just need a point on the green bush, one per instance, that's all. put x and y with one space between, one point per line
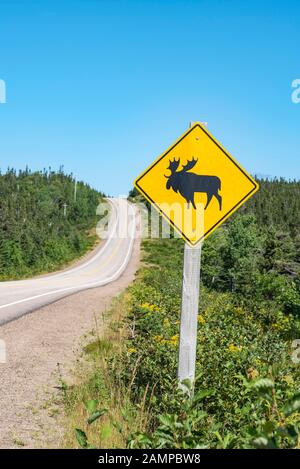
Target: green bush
245 375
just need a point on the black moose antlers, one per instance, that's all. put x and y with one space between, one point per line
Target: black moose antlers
187 184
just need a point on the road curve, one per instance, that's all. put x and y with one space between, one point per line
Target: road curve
22 296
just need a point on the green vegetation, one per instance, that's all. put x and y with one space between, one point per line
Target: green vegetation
247 392
38 232
100 408
277 204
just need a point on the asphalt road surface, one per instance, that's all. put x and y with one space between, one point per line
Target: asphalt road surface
109 262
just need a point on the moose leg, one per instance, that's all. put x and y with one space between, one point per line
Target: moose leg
219 198
209 197
193 203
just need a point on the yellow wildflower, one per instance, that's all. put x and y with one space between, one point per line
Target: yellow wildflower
174 339
150 306
252 373
288 379
132 350
201 319
234 348
158 338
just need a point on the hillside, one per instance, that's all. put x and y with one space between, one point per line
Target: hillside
42 227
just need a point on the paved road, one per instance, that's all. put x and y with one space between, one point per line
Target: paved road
109 262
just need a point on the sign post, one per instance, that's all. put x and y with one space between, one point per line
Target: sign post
189 314
195 185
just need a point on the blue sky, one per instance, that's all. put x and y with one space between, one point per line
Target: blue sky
103 87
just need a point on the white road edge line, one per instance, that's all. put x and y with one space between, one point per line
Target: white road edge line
99 253
88 285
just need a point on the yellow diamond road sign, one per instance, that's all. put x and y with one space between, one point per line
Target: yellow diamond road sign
196 184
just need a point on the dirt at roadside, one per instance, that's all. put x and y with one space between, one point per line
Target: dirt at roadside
30 394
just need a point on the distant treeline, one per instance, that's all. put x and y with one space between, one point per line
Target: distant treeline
276 212
274 227
42 226
276 204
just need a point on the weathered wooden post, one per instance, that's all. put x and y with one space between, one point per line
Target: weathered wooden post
189 314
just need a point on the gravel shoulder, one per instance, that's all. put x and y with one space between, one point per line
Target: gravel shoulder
41 348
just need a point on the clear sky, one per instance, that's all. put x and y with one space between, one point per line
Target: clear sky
103 87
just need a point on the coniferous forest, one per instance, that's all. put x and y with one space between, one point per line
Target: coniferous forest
42 226
260 242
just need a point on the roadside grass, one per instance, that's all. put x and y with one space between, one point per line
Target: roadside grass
100 388
247 387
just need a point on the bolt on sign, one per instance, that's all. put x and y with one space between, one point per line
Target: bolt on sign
196 184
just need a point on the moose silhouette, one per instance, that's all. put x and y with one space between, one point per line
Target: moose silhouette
187 184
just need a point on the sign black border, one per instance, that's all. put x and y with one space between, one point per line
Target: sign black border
255 184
